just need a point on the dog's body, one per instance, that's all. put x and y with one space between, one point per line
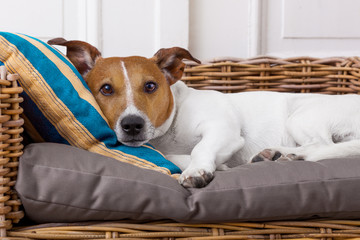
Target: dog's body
211 128
202 131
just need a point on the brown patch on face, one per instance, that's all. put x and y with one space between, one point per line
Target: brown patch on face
157 106
108 71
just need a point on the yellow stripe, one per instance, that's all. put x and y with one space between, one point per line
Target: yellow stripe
63 119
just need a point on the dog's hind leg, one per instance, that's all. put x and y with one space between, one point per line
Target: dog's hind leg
310 152
314 137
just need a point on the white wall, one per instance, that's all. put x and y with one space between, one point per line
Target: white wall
209 28
141 27
219 28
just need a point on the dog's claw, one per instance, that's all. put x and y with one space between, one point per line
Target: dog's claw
276 156
199 180
257 158
291 157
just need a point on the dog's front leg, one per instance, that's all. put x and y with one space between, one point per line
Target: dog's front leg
210 153
182 161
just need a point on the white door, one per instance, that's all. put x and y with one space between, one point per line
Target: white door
311 27
209 28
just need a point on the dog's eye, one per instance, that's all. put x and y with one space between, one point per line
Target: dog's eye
106 90
150 87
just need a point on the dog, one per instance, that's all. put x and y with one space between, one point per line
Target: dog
203 131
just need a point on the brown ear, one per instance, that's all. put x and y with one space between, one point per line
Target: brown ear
81 54
170 62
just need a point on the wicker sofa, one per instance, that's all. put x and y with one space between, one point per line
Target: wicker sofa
301 75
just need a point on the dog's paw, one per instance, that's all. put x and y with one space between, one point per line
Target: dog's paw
266 155
195 178
274 155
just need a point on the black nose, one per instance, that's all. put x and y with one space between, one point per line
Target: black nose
132 124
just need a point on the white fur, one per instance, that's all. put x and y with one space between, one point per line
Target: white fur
211 128
129 92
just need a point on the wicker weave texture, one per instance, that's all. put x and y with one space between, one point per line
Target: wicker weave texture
310 230
301 74
10 149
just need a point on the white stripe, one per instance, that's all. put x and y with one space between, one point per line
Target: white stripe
129 93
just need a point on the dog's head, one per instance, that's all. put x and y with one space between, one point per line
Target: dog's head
133 92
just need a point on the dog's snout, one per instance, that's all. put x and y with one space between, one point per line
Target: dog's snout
132 124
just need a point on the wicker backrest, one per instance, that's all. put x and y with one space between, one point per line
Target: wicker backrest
302 74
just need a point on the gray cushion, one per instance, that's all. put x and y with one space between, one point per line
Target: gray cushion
59 183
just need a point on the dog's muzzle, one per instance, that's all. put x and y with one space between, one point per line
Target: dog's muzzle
132 125
131 131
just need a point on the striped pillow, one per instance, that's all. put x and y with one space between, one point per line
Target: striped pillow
59 107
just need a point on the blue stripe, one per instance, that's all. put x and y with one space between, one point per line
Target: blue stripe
64 91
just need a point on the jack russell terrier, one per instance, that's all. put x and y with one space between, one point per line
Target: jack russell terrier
201 131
